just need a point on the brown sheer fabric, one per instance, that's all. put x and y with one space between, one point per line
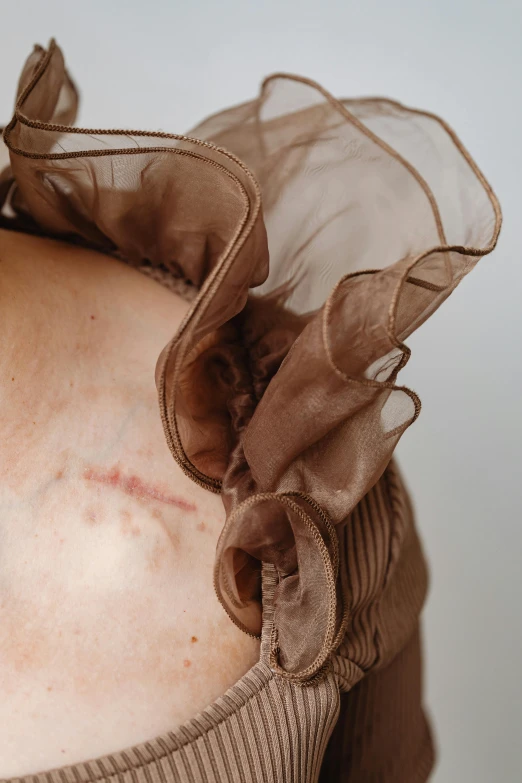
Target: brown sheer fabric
283 399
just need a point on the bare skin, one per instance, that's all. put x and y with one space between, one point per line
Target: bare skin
110 631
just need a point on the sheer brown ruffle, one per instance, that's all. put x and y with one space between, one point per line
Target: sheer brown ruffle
285 400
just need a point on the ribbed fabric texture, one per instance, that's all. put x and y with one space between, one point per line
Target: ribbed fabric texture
382 733
361 721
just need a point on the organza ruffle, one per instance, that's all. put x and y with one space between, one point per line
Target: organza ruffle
279 390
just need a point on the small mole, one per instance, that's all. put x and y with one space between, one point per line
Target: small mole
194 639
186 663
201 527
59 473
12 379
70 386
92 317
49 688
63 751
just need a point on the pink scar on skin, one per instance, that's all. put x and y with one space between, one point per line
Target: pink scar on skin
135 487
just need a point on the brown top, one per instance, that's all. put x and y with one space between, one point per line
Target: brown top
372 214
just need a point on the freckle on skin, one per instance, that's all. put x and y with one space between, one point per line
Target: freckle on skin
186 663
59 473
201 527
194 639
92 317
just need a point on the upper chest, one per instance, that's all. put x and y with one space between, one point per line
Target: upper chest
107 607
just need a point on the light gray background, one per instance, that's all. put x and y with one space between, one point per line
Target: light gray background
165 65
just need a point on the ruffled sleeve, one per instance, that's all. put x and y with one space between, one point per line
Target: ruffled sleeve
280 389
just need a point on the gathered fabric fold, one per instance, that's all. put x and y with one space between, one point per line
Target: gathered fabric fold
319 234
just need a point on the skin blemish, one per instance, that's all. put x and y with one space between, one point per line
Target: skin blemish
173 536
92 317
187 663
201 527
134 486
156 557
127 528
193 639
58 474
91 517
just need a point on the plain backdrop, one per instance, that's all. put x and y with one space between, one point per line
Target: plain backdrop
165 65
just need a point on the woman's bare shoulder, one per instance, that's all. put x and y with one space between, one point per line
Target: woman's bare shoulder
110 630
